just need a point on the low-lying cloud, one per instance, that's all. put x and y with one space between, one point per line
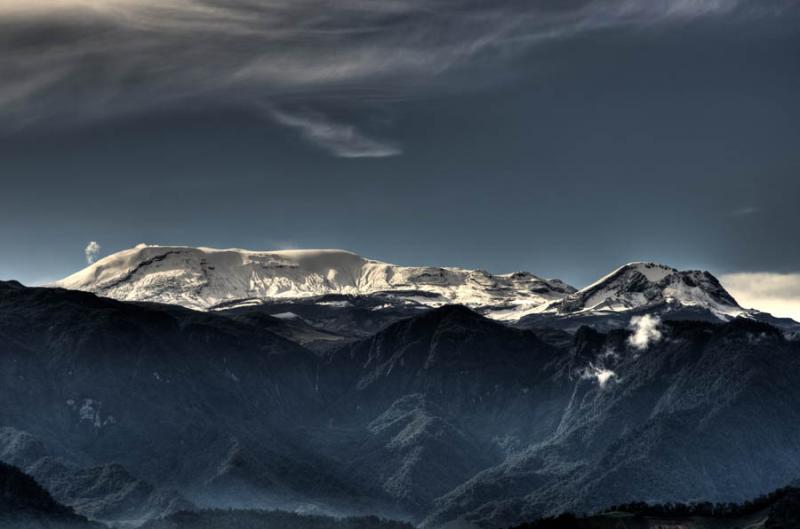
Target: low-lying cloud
645 331
778 294
600 374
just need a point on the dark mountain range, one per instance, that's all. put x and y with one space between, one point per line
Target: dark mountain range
26 505
442 418
105 492
687 419
451 354
194 401
322 323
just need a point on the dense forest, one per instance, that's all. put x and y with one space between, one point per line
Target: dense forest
719 510
258 519
777 510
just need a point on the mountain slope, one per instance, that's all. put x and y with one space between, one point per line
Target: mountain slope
106 492
26 505
704 413
430 401
194 401
413 452
461 360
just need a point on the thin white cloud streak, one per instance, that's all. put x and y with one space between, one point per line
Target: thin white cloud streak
106 57
677 8
645 331
344 141
777 294
745 211
92 252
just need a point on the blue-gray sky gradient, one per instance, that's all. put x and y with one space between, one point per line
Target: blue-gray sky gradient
564 138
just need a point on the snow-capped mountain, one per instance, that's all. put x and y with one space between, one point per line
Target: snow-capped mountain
205 279
211 279
641 285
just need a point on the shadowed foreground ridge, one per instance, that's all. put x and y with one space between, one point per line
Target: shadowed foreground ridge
24 504
777 510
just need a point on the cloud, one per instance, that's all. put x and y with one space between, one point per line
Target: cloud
344 141
91 59
599 373
778 294
745 211
92 251
645 331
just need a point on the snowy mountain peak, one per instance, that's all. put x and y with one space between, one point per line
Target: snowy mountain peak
640 284
652 272
205 278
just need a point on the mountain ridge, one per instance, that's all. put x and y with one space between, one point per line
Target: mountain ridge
209 279
205 278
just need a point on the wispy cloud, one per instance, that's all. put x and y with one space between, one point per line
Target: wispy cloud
745 211
92 251
87 59
345 141
778 294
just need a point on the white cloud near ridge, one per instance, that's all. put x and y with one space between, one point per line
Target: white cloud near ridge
777 294
645 331
598 373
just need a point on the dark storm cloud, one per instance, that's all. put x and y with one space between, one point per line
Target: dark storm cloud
89 59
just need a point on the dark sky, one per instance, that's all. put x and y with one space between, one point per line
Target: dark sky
579 138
